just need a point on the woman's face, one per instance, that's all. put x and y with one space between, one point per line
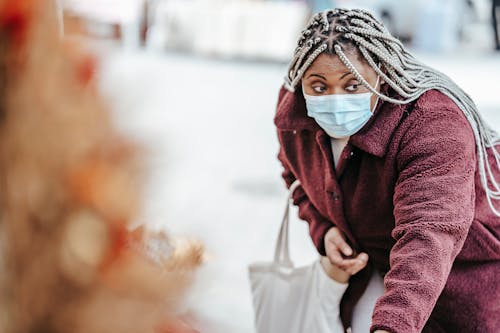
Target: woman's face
328 75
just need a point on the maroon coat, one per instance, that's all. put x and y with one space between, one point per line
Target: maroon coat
406 191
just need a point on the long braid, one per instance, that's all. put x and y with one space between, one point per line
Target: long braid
340 30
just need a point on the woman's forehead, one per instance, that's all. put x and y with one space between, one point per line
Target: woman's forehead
330 64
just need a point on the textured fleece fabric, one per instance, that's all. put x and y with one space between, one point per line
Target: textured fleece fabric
407 192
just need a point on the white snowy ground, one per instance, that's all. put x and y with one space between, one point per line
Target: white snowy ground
208 125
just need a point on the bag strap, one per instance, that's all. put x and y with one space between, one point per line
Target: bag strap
282 252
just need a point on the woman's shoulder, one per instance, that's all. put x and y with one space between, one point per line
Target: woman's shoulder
435 120
434 102
436 110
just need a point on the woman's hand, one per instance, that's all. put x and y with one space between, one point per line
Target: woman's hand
335 247
334 272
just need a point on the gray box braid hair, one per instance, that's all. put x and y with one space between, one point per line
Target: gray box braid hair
337 31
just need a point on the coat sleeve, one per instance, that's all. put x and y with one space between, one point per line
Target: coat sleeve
433 209
318 225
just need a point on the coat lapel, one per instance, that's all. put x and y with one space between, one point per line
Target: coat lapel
375 136
291 113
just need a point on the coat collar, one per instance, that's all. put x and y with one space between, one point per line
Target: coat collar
373 138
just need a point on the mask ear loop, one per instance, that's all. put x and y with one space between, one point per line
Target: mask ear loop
378 98
376 84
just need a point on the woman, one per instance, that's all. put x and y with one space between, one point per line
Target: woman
396 166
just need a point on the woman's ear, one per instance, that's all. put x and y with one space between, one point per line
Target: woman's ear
383 69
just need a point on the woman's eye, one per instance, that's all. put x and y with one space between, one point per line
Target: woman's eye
352 87
319 89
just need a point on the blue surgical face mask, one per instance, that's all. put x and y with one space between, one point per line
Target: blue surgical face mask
340 115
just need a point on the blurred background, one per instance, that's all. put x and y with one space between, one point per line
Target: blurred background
196 82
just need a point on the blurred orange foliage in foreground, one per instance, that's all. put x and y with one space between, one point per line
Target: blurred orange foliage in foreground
69 190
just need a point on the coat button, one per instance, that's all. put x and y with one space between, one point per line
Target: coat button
352 154
348 330
294 132
336 197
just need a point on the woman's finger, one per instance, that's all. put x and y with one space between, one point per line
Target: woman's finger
334 255
347 263
334 236
357 264
333 271
360 258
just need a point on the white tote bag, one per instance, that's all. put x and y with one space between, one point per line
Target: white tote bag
290 299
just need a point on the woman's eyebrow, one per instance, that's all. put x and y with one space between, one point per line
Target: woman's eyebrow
318 75
344 75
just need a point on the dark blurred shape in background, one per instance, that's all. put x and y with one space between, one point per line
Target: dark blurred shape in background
496 21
